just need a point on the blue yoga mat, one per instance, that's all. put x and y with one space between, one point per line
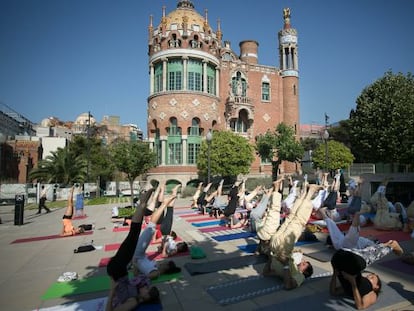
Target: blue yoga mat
208 223
234 236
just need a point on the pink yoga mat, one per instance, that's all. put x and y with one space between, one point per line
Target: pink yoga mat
213 229
48 237
202 218
191 214
79 217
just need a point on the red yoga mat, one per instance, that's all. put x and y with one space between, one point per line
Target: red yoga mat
48 237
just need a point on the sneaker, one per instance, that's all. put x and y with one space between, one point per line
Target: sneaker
72 275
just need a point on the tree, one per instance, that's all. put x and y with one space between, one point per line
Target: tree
382 124
280 145
340 133
339 156
62 166
230 155
96 155
133 159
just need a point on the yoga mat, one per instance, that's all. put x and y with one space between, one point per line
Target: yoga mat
97 304
79 217
393 235
192 215
91 285
48 237
121 229
324 301
200 219
214 229
151 255
398 265
223 264
234 236
323 255
254 286
115 246
208 223
251 248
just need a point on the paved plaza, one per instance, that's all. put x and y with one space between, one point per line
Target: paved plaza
30 269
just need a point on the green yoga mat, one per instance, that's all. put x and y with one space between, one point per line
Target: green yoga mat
91 285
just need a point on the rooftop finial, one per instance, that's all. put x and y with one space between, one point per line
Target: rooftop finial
286 16
185 4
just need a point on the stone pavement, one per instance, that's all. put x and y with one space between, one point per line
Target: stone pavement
29 269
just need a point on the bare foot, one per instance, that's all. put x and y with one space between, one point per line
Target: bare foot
396 248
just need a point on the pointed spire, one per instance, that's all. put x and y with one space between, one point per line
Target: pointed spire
218 33
150 30
206 21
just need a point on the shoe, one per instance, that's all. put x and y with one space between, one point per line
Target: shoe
67 277
48 211
38 213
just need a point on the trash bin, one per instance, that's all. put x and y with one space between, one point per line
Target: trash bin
18 209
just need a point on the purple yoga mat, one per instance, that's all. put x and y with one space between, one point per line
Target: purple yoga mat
399 266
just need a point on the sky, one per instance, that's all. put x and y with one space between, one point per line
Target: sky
62 58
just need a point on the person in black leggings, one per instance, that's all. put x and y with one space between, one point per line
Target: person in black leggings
348 265
125 291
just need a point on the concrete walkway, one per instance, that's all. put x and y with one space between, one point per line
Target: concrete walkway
29 269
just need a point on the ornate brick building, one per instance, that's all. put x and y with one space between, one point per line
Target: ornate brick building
198 83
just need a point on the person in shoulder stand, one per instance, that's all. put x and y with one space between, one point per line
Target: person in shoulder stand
68 228
285 261
126 292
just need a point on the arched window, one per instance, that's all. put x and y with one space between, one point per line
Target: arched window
174 42
174 143
194 130
193 141
240 125
157 146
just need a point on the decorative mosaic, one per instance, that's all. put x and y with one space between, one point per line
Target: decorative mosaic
173 102
184 114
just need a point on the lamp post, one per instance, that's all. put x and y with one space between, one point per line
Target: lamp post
88 126
209 137
326 137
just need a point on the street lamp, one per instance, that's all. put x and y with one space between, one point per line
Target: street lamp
325 137
209 137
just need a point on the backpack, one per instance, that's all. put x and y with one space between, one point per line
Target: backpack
84 248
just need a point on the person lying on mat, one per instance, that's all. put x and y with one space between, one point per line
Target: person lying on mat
284 261
348 265
68 228
141 262
351 239
127 293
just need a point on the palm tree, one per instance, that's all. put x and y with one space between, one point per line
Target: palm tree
62 166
